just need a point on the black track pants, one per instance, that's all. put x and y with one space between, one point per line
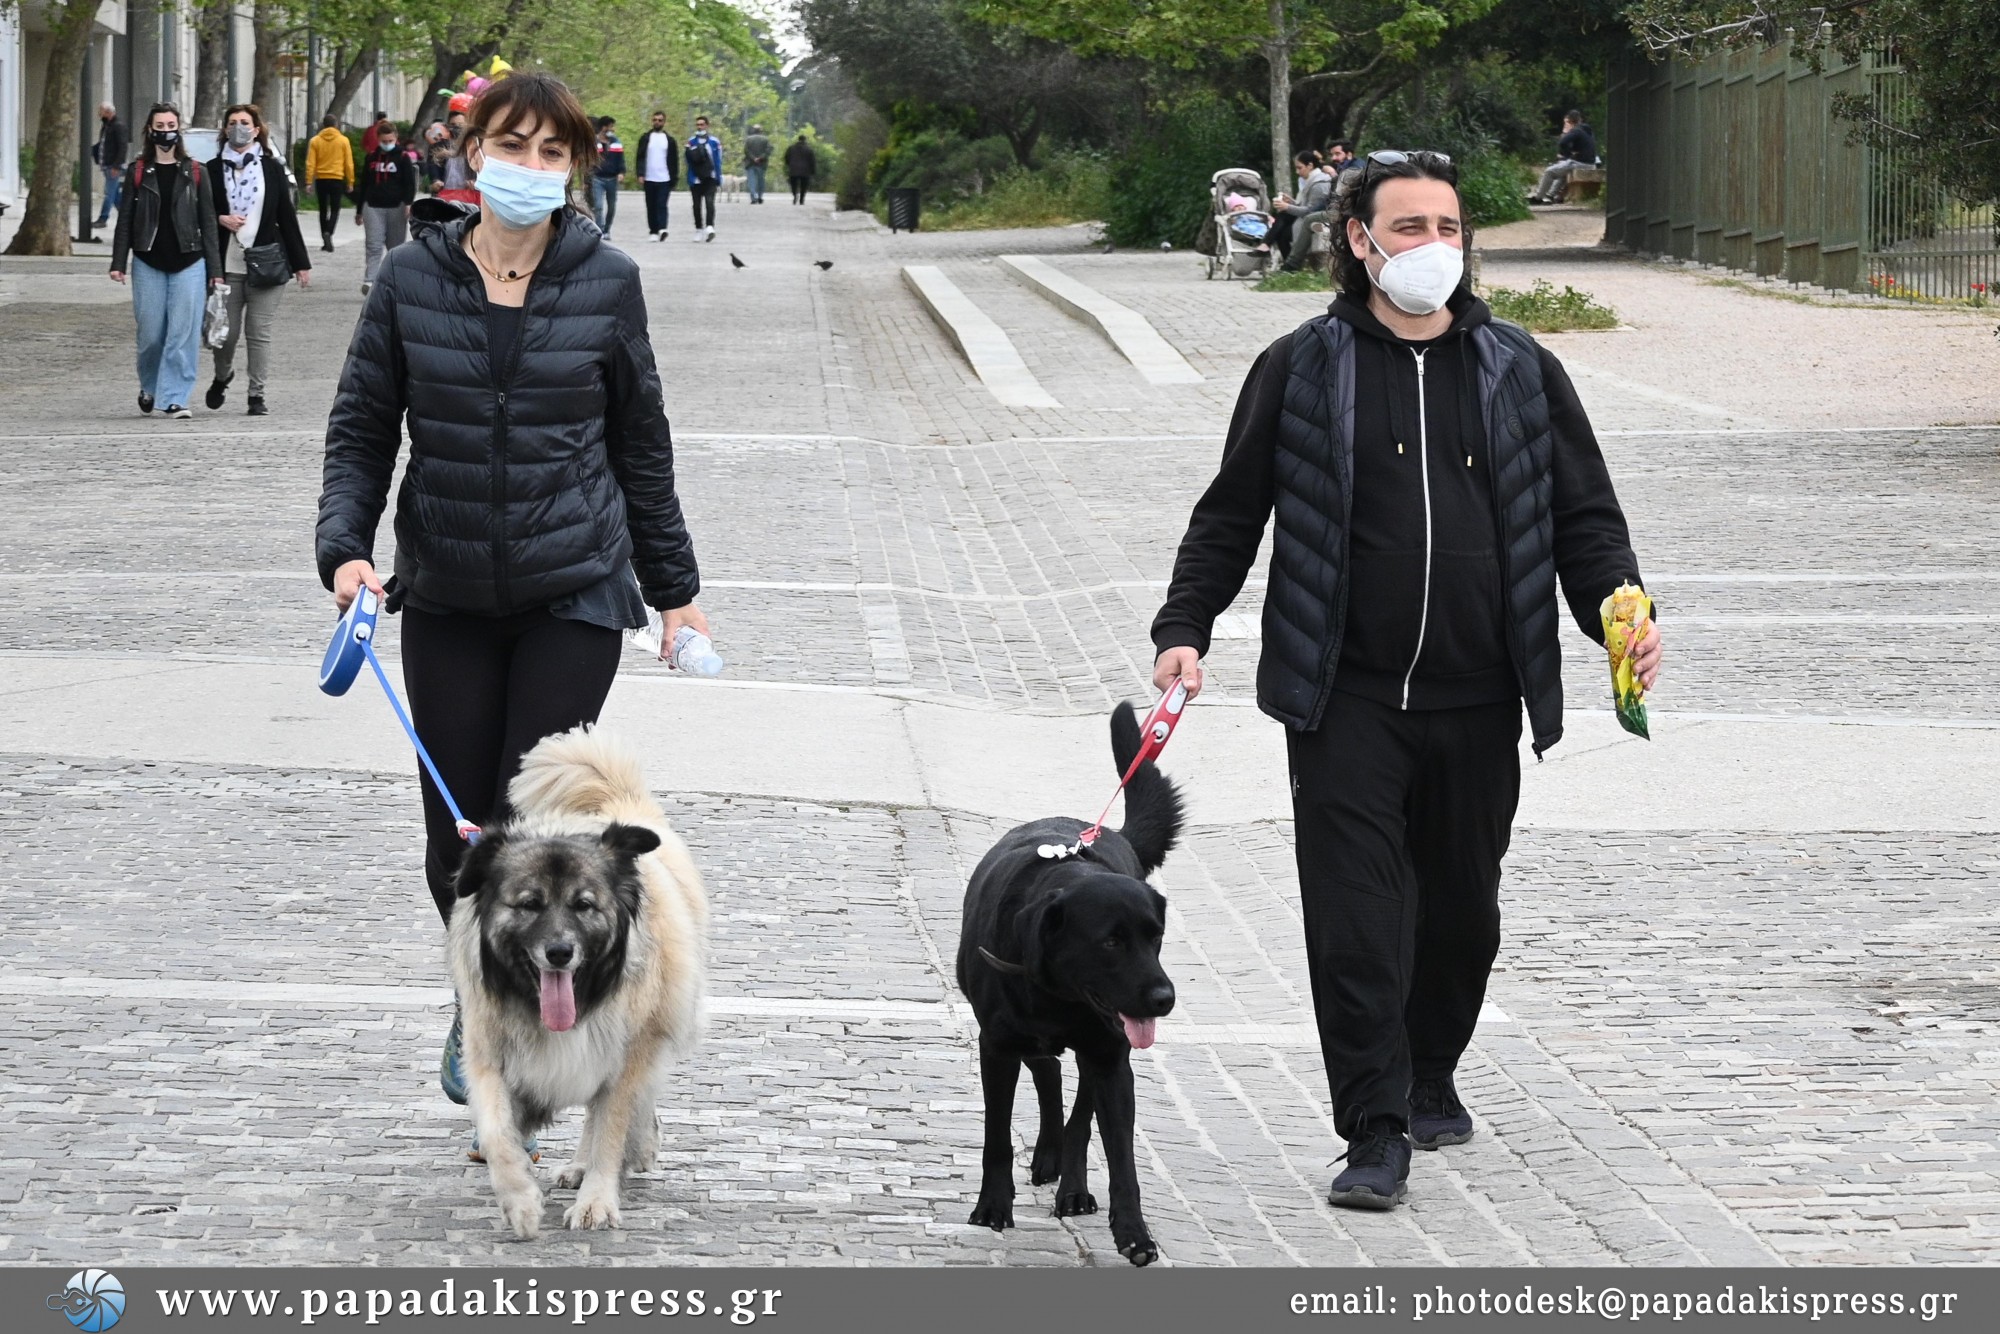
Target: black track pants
701 194
332 196
1403 818
483 690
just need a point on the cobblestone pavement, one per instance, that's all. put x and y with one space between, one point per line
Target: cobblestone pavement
221 993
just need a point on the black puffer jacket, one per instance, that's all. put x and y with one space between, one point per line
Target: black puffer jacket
518 494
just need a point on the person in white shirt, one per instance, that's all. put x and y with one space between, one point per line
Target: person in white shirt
659 168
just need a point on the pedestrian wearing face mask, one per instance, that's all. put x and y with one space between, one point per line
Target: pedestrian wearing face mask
1433 476
166 241
538 519
388 188
262 248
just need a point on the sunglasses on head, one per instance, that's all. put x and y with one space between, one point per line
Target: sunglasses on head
1396 157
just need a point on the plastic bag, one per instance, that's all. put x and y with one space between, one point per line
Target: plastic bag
215 317
1626 614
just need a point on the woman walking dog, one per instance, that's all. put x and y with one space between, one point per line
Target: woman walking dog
166 235
541 473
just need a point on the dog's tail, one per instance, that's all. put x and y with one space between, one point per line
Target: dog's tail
579 772
1152 802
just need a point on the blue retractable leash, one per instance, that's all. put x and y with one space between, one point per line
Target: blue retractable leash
353 643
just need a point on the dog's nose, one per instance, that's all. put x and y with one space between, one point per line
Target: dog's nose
560 955
1160 997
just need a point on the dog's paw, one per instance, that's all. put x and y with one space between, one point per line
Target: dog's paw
593 1210
996 1214
1134 1242
1073 1202
522 1211
571 1176
1047 1163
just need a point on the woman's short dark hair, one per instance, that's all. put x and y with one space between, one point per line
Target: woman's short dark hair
180 144
524 102
1354 197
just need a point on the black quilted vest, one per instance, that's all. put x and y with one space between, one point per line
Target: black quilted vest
1305 608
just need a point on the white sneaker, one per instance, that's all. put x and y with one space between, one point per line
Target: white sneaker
710 236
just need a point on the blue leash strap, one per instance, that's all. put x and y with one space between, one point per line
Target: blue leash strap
466 829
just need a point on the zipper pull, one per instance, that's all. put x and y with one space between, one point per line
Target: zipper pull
1399 446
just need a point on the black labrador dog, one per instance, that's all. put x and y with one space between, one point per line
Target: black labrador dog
1061 949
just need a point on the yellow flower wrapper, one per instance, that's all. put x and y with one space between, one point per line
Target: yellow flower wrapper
1626 614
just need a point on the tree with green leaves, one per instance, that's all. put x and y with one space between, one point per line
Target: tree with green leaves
1301 42
51 193
1949 51
938 54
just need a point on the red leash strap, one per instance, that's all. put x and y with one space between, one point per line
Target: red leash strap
1153 733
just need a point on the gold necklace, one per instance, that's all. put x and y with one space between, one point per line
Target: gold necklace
472 247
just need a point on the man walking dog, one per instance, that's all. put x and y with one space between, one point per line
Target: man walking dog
1433 474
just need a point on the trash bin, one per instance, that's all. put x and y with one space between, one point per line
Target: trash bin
903 209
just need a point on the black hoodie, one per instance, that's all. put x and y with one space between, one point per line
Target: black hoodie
1448 648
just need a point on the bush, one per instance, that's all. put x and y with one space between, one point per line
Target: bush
1542 309
1072 186
1160 189
942 163
856 143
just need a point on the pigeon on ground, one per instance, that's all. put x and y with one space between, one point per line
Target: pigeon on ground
1108 249
1166 245
822 264
736 263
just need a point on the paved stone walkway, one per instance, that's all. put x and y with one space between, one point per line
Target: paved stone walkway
1758 1034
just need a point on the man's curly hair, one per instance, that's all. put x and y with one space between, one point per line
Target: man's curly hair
1354 197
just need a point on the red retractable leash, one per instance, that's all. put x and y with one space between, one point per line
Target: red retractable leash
1154 731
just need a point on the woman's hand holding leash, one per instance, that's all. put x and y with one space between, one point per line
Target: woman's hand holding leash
1178 664
349 579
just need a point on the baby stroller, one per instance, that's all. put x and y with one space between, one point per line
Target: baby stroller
1235 238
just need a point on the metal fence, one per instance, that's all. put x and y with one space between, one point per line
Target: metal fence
1738 160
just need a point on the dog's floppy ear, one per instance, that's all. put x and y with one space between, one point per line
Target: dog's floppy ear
477 867
1038 927
630 840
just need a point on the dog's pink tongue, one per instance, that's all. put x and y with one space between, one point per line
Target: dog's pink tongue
559 1002
1139 1032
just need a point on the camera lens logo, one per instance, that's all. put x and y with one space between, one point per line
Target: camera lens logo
93 1300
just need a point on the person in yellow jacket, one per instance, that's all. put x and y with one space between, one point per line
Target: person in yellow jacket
330 173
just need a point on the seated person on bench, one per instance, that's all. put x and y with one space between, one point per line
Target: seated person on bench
1576 148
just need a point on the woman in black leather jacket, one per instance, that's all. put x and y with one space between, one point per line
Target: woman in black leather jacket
537 518
166 240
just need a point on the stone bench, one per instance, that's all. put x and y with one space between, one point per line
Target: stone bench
1583 183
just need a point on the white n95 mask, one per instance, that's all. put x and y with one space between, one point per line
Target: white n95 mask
1422 278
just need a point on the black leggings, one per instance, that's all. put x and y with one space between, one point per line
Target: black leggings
799 184
332 194
483 690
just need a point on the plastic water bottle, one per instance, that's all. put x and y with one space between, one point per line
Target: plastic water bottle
692 652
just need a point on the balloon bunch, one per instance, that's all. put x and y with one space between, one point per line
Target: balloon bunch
475 84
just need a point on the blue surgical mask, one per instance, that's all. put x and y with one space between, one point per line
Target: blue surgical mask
521 197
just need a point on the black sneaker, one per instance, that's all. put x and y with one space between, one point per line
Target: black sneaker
178 413
145 401
217 391
257 408
1377 1173
1437 1117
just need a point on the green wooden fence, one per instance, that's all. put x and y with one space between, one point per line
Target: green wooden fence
1738 160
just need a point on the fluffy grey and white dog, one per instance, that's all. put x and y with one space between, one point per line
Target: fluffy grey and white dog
578 947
